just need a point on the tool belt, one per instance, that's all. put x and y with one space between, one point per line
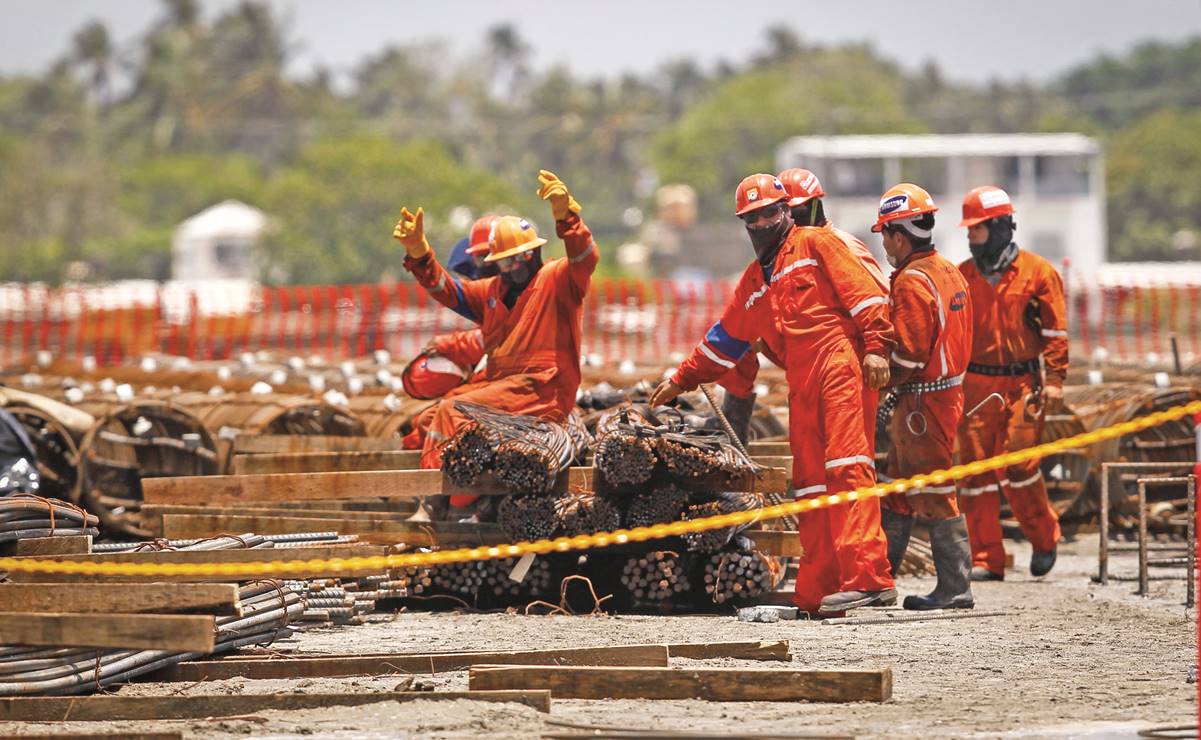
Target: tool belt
1029 367
929 386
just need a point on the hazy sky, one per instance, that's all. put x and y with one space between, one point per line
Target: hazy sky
971 41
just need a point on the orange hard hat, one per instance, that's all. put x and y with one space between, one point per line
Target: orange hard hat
431 375
801 185
758 191
983 203
512 235
477 239
904 201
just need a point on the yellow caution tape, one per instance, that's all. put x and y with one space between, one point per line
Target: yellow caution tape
380 563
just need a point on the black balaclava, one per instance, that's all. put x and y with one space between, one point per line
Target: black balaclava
767 240
998 251
521 275
810 213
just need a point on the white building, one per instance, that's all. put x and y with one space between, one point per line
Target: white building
218 243
1057 182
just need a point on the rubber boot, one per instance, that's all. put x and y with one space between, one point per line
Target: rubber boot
1041 563
738 412
896 528
953 563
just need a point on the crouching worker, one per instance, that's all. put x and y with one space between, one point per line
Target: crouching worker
530 315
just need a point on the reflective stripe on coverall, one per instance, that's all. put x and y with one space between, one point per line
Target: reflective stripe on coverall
819 312
1005 332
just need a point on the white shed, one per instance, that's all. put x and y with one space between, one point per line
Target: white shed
218 242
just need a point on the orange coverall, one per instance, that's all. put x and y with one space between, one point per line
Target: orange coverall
817 310
933 320
1021 318
533 349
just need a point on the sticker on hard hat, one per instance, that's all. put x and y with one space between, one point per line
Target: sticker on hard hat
894 204
525 225
994 198
807 183
777 184
752 194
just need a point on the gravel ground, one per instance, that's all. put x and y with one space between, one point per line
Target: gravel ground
1068 658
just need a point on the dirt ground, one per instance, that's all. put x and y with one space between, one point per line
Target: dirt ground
1067 659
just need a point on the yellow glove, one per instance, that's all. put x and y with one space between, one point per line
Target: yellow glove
410 231
555 191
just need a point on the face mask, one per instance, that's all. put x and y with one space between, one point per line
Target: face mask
768 239
997 252
522 272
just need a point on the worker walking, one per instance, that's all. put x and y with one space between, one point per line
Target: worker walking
1019 316
817 310
531 314
933 321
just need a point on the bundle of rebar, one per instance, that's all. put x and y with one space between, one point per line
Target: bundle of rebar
740 573
24 515
528 517
586 513
655 576
659 506
526 454
711 540
625 447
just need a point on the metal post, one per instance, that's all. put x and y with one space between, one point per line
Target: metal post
1103 546
1176 366
1191 593
1143 589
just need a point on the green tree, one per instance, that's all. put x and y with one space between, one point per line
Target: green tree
1154 186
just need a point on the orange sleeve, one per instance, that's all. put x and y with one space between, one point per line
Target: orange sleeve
582 253
915 318
464 348
465 297
1054 314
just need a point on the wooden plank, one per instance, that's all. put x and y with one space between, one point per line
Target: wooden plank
710 684
147 631
123 735
151 515
774 461
387 664
324 462
117 708
260 555
235 489
768 448
762 650
218 599
252 444
74 544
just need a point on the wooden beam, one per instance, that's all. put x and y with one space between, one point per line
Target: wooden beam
221 490
218 599
324 462
122 735
774 542
237 489
146 631
187 526
769 448
73 544
710 684
763 650
387 664
151 515
261 555
122 708
252 444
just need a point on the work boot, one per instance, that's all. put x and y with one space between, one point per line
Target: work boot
1041 563
738 412
431 508
896 528
980 573
952 562
847 600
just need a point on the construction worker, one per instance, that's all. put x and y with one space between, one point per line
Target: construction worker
531 314
1018 317
933 322
467 256
805 206
816 309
